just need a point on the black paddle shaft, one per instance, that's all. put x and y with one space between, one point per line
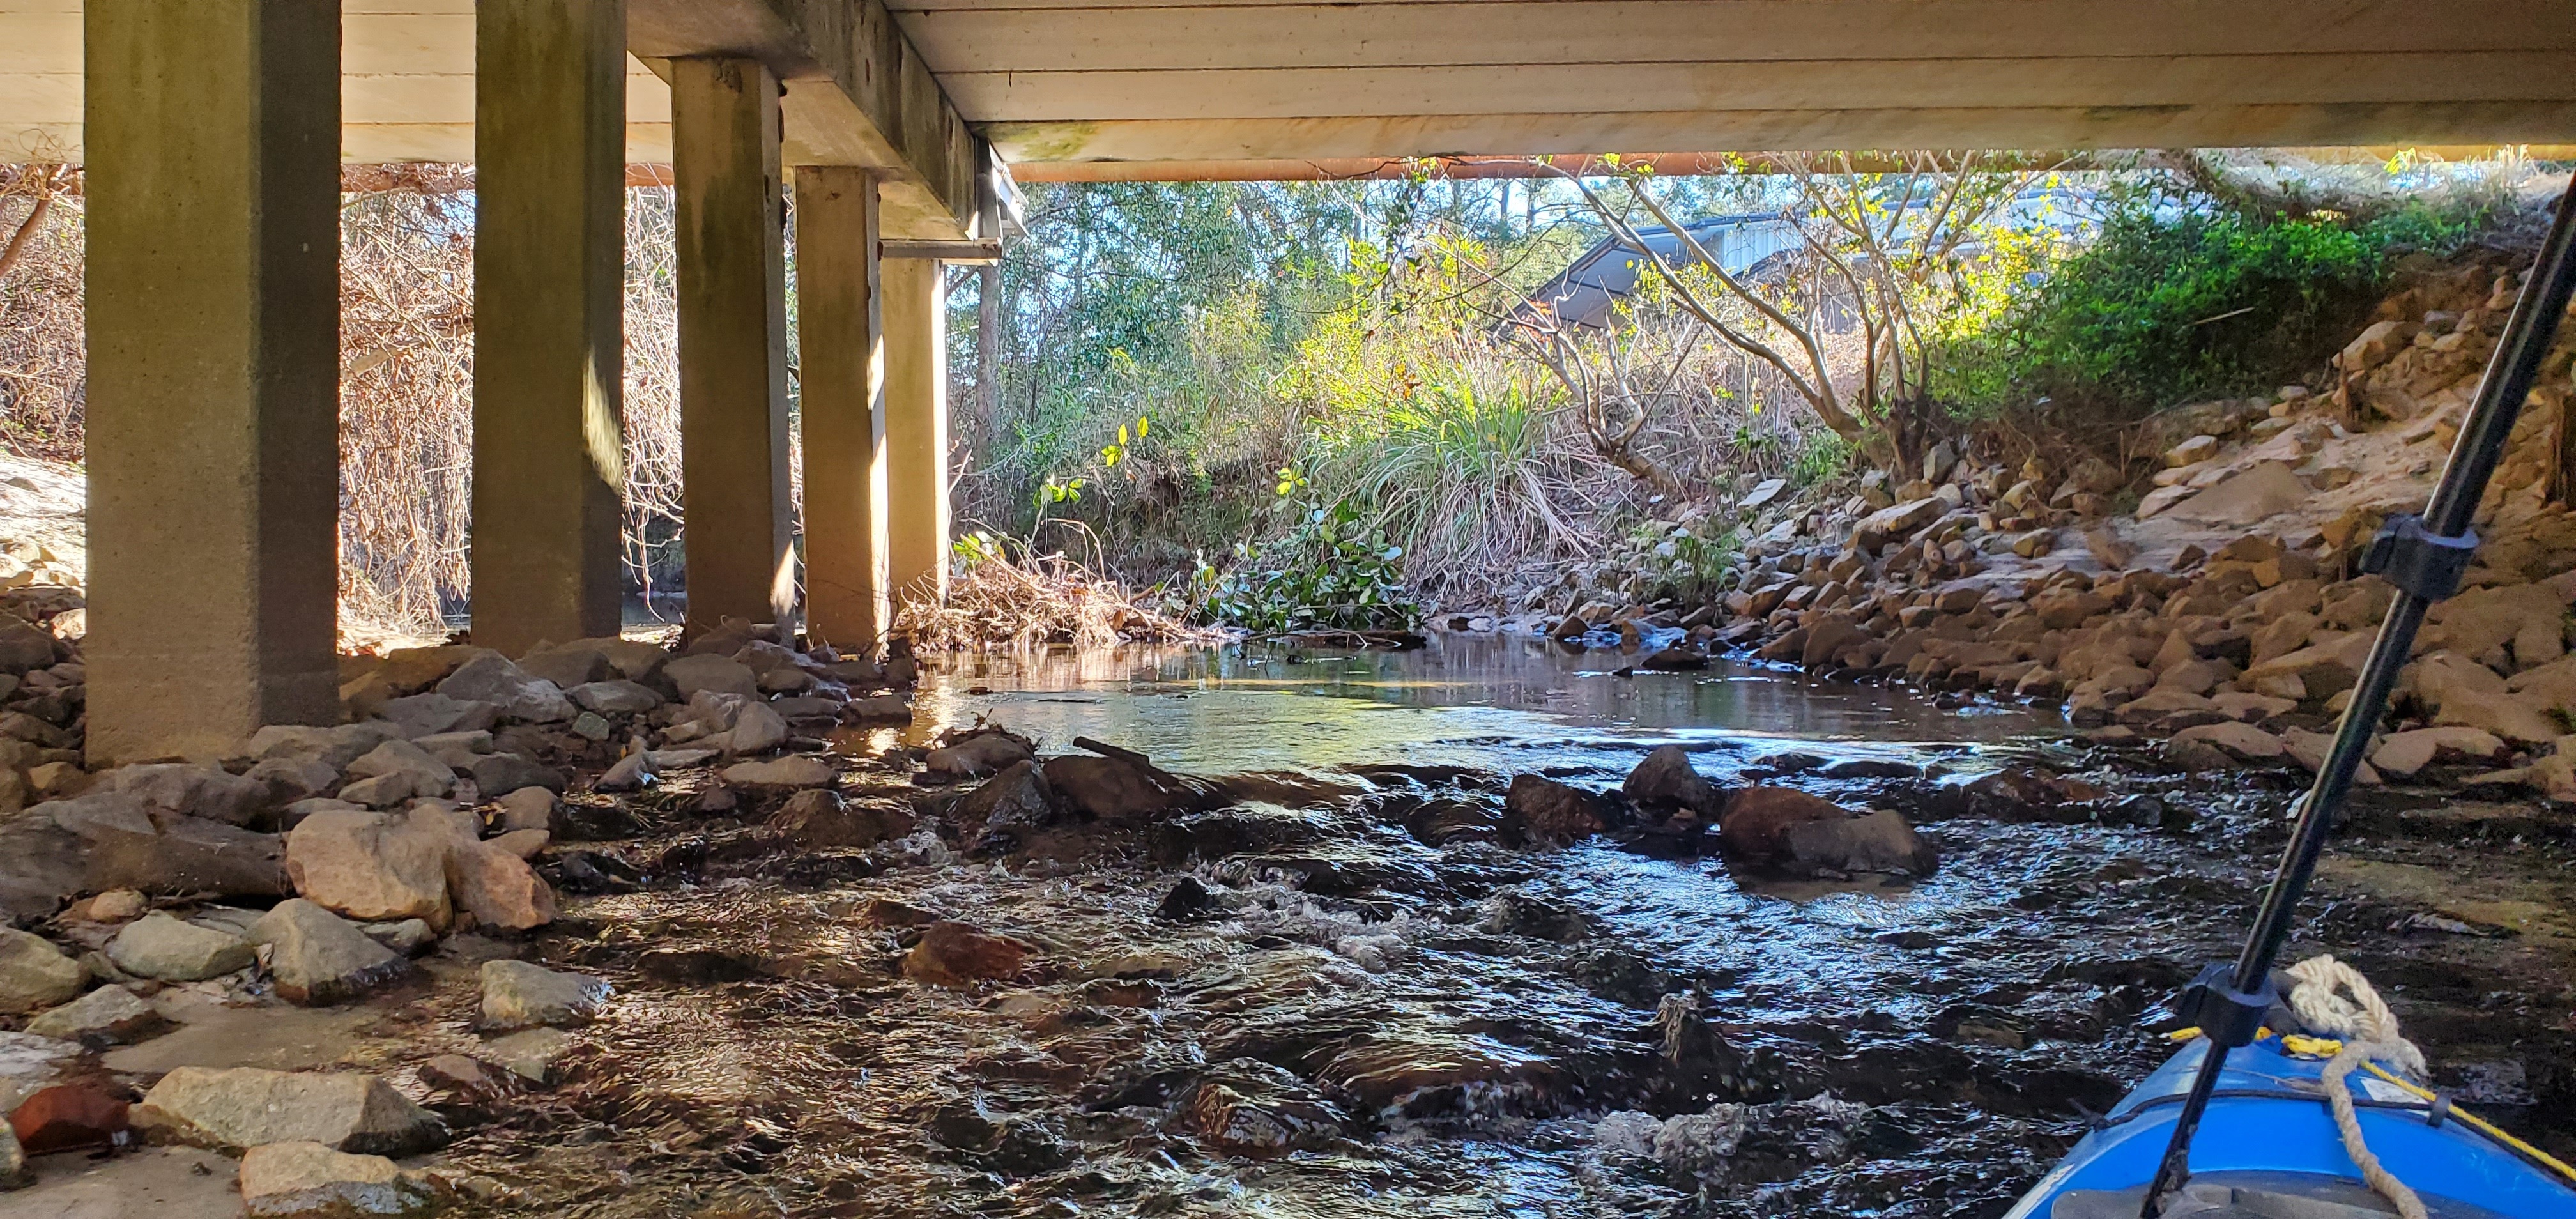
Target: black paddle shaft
2423 557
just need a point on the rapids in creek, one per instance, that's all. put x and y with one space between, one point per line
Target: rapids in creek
1358 1003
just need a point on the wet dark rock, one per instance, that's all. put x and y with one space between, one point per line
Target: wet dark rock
1118 791
1425 1073
2029 795
887 912
1447 820
1246 1107
1665 784
1675 660
40 864
1870 768
1517 911
697 966
1623 977
591 873
1232 831
1696 1059
1551 810
1187 901
1755 826
1879 841
715 801
508 772
1016 798
583 821
979 752
818 818
960 955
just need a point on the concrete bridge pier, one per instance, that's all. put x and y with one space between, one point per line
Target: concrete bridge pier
916 338
213 151
841 405
549 335
733 342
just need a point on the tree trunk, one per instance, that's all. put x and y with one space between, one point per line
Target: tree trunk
988 348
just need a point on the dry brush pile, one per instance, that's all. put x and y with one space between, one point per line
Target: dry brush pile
406 385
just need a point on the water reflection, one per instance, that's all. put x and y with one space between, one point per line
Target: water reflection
1487 701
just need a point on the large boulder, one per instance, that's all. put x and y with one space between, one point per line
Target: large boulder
430 776
2478 623
718 674
982 754
1018 798
238 1108
1665 782
371 866
1117 790
41 864
498 888
568 665
508 772
491 678
35 975
519 995
306 1180
161 947
185 790
616 697
2266 490
317 957
129 847
430 714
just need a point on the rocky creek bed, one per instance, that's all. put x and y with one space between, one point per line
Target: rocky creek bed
1318 957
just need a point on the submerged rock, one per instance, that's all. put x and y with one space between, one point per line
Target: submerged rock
519 995
959 955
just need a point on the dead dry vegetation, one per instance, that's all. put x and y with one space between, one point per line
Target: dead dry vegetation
407 363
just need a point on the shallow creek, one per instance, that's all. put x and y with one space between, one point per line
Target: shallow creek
1364 1023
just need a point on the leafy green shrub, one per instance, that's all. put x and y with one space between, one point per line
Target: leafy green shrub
2169 304
1333 572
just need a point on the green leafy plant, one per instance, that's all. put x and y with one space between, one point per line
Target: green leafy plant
978 548
1333 572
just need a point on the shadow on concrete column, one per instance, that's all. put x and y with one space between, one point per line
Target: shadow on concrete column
549 338
841 406
213 149
916 347
733 343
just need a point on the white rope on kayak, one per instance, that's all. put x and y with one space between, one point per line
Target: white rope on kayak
2369 1032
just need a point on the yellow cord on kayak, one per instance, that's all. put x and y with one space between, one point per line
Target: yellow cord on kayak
2328 1047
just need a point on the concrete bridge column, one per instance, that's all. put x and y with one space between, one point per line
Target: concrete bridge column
549 339
733 342
916 344
213 148
841 405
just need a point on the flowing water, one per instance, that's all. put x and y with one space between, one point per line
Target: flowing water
1379 1011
